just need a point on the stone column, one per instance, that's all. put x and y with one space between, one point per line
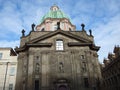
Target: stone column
45 71
19 80
30 72
90 72
74 76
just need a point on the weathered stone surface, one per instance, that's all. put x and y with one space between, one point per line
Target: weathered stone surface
57 57
74 63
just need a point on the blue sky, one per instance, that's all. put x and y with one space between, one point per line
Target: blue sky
102 16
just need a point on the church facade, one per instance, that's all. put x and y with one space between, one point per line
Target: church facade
54 56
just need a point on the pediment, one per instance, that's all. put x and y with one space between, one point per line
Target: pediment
37 42
63 33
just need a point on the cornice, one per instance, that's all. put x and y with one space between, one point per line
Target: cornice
27 45
78 44
91 45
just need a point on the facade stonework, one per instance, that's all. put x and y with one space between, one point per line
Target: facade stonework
111 71
57 60
8 68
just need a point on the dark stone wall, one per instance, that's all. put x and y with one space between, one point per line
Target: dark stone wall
74 68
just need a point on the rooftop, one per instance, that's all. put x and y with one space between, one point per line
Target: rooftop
54 12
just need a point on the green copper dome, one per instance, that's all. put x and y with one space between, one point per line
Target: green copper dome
54 13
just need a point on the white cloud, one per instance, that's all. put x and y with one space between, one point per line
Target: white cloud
84 7
10 21
102 16
16 17
107 35
12 44
111 6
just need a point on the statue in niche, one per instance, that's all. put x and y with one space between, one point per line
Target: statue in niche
61 67
24 69
37 67
84 68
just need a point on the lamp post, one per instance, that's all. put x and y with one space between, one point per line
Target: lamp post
5 75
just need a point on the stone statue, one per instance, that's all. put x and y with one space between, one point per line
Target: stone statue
83 26
33 26
23 33
37 67
90 32
61 67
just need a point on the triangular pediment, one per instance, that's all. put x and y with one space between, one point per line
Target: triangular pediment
37 42
64 33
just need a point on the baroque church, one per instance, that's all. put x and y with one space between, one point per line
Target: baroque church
56 56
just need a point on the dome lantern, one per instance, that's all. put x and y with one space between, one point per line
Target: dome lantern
54 8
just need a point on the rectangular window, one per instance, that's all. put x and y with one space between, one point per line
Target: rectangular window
59 45
10 86
12 71
36 84
1 55
86 83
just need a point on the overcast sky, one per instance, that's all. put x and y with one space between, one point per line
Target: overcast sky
102 16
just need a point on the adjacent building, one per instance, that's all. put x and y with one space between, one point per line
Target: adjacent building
56 56
111 71
8 67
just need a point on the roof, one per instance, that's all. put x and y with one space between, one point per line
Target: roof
5 48
54 12
12 52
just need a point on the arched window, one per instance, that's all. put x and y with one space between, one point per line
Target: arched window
70 29
59 45
82 57
55 27
43 29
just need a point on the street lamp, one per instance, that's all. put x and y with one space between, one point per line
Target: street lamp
5 75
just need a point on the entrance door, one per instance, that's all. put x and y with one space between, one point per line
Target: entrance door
36 84
62 87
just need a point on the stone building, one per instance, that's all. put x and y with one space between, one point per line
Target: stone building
8 67
54 56
111 71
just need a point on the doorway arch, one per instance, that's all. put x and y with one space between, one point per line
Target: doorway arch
62 84
62 87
